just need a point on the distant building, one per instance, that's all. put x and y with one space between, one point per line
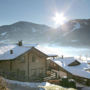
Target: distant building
72 68
22 62
88 62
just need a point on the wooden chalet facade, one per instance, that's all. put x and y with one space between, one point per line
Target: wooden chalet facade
28 66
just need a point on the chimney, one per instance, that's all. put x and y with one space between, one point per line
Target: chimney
20 43
62 56
11 51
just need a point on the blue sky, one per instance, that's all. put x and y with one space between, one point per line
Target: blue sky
41 11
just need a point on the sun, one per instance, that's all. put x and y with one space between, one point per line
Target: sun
59 19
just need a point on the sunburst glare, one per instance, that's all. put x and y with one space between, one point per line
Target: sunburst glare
59 19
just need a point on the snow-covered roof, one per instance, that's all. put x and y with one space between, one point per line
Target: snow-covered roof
79 70
66 60
17 51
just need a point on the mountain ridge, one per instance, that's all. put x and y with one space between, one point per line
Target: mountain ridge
73 33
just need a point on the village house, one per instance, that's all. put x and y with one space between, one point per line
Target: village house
72 68
22 62
27 63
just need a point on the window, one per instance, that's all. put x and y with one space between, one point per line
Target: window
22 59
33 58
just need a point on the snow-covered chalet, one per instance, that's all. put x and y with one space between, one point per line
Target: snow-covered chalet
22 62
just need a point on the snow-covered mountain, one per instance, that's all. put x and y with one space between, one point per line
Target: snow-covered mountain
75 33
72 33
26 31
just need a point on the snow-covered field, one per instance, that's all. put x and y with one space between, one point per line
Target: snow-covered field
17 85
29 84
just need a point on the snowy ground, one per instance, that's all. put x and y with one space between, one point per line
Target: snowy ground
17 85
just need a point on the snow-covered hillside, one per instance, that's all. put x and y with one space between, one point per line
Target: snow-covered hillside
72 33
75 33
25 31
